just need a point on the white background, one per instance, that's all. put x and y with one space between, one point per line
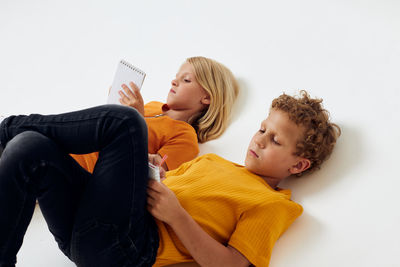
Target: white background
58 56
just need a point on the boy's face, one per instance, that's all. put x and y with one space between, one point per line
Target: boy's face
271 150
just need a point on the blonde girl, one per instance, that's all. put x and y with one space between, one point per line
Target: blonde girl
198 108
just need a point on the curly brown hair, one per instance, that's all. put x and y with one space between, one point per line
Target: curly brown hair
319 135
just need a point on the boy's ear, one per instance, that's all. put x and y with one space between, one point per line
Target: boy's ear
206 100
301 165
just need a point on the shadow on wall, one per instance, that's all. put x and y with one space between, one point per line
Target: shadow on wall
241 101
306 230
347 153
224 145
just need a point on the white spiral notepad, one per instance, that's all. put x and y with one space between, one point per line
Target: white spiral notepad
125 74
154 172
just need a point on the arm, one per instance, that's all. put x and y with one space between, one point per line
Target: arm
206 251
180 147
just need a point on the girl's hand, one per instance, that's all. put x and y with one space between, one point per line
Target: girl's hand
162 202
156 159
132 97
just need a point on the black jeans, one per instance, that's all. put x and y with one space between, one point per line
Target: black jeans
97 219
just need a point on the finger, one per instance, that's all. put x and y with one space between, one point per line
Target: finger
134 87
151 192
156 186
128 92
122 103
152 158
157 159
162 172
152 185
135 90
150 200
151 210
123 100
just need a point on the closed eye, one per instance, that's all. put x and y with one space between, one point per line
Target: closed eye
275 141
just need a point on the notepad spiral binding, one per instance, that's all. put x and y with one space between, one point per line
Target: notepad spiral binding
132 67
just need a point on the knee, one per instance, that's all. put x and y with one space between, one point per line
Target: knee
23 155
25 144
130 116
125 112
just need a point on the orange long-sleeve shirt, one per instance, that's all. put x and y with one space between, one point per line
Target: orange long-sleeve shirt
177 139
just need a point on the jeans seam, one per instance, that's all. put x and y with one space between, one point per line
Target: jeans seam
132 154
14 229
124 252
102 114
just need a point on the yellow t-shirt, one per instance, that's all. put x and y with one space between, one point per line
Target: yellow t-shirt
177 139
233 205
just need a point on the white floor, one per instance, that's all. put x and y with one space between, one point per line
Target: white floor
58 56
39 248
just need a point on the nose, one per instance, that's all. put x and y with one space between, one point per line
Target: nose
174 82
259 141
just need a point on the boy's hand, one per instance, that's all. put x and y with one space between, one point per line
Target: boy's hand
162 202
132 97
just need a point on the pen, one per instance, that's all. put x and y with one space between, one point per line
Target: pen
163 159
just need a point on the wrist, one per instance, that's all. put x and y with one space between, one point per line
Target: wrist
180 218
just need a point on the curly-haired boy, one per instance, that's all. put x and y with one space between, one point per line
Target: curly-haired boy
221 214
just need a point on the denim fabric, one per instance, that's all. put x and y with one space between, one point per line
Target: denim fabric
97 219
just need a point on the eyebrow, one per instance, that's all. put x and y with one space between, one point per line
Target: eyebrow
185 73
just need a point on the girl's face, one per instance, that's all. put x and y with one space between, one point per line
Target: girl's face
186 93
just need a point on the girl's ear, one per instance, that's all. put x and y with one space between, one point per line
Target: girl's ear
205 100
301 165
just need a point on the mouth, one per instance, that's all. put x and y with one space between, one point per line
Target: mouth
254 154
172 91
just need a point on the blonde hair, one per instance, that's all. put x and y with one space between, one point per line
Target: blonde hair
223 89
